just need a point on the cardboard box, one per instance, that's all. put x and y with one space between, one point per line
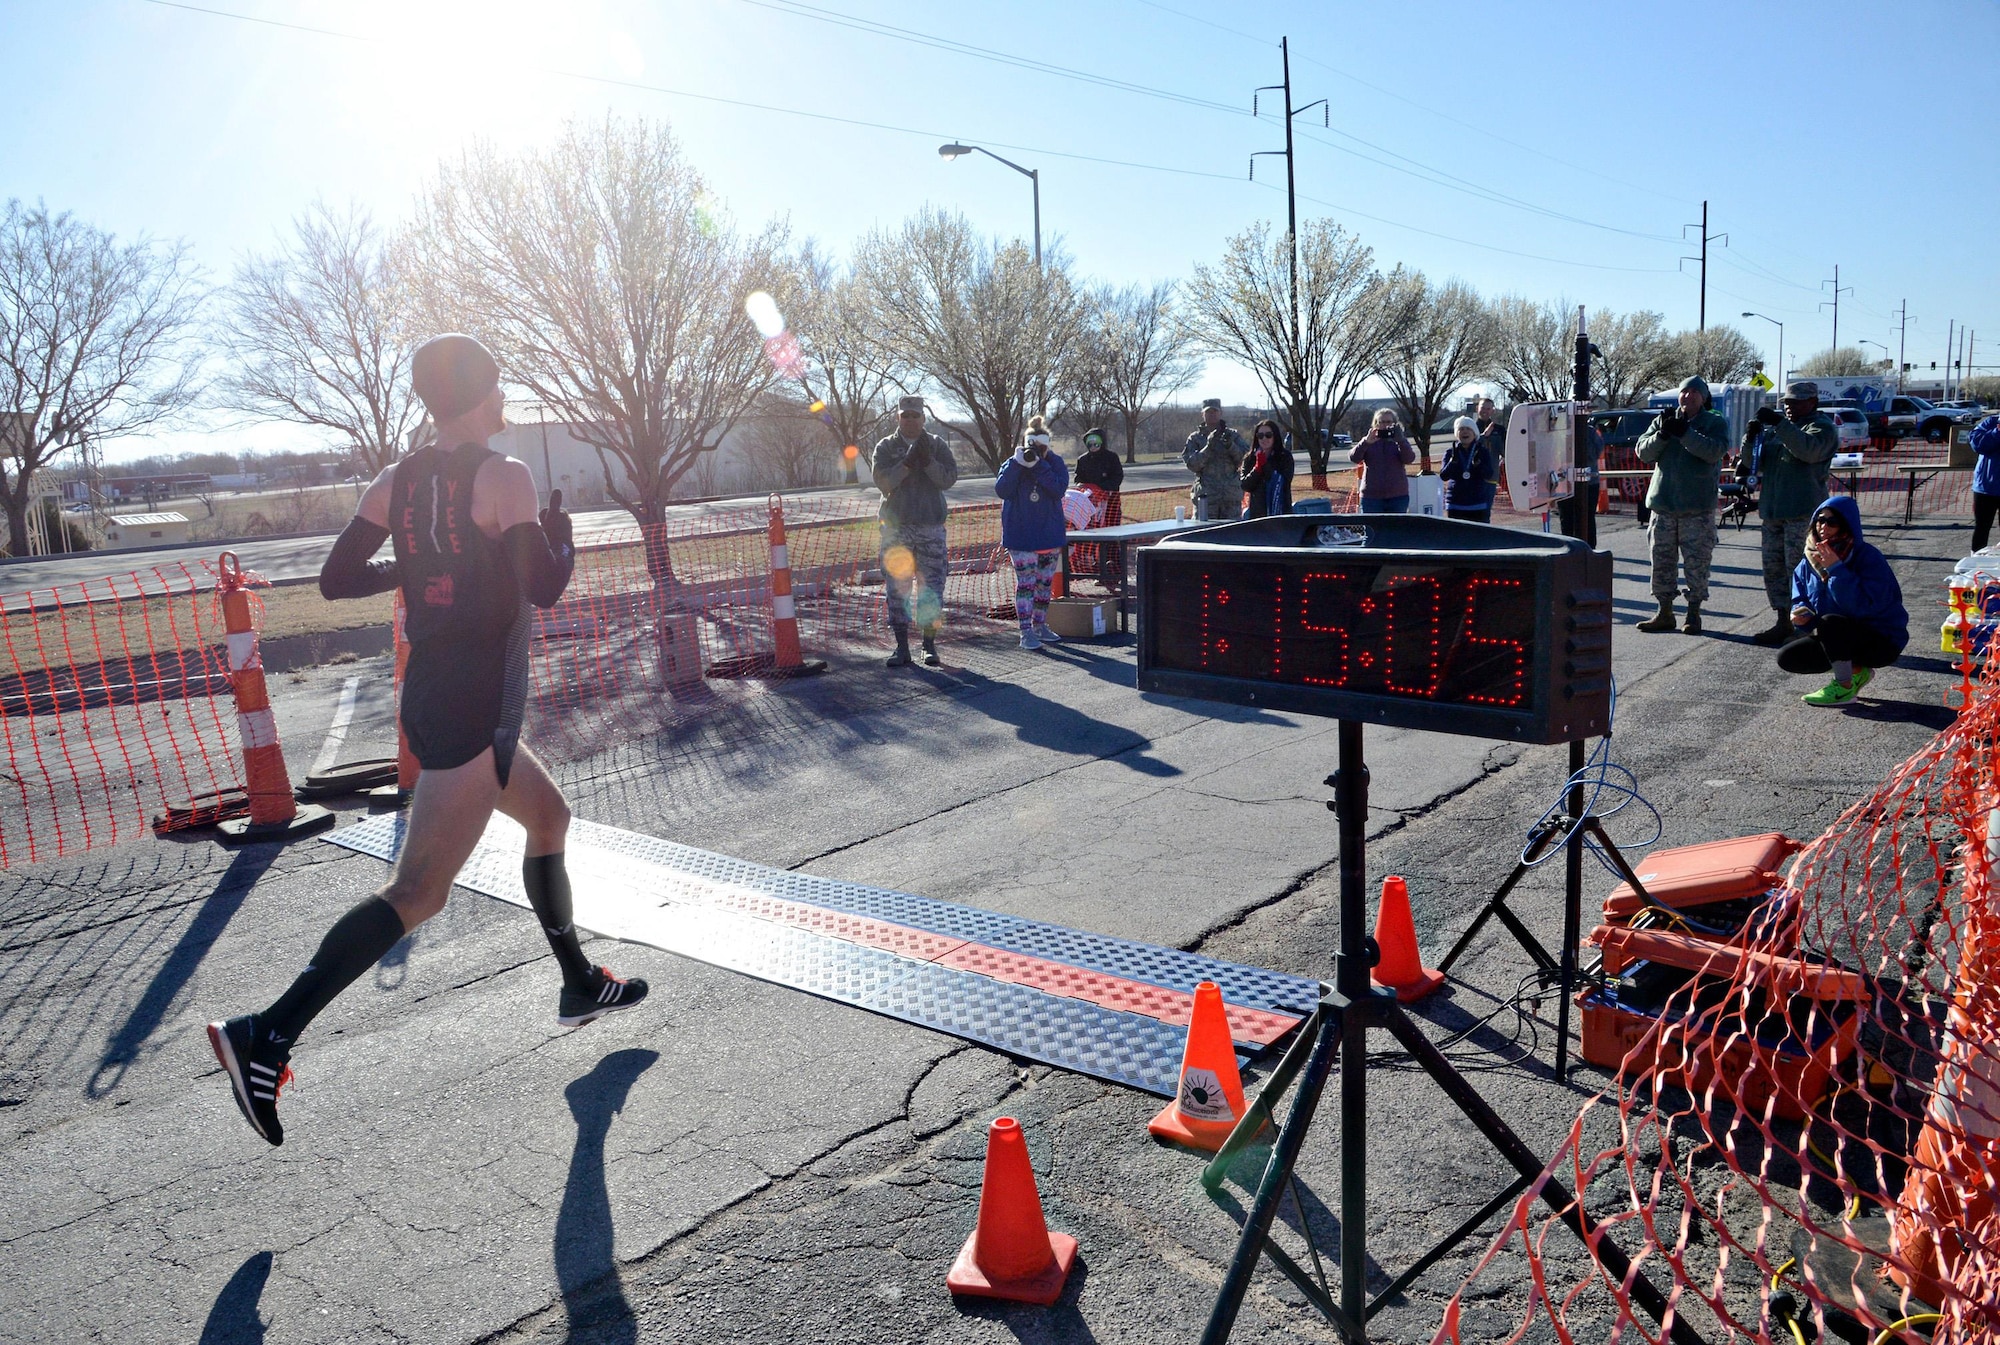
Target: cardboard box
1082 618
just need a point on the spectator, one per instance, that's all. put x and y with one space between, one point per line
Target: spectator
1846 605
913 468
1985 440
1382 455
1030 487
1267 472
1492 429
1097 466
1468 473
1791 451
1214 453
1684 446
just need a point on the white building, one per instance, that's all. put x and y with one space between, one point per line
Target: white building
122 531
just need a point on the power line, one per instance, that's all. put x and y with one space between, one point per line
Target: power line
1422 107
638 87
801 9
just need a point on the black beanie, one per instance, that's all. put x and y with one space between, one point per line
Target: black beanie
1097 434
452 374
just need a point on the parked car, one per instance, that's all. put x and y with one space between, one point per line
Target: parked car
1961 404
1852 423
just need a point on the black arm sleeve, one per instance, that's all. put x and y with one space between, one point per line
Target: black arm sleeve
543 573
348 572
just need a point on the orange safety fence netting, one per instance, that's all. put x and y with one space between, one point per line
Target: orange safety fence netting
113 709
1803 1138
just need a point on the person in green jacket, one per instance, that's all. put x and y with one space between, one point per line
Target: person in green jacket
1791 452
1684 446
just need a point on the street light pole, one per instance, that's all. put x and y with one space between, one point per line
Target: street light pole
1782 375
957 151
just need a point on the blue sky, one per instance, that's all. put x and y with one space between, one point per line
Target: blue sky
1819 134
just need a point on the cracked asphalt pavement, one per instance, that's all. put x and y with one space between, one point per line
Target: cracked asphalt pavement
739 1161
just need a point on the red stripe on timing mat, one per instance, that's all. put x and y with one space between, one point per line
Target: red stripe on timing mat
1112 992
920 944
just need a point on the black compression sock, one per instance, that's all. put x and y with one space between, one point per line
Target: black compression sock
547 882
357 941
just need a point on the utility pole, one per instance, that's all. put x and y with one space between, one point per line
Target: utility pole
1701 324
1838 290
1950 344
1902 339
1300 414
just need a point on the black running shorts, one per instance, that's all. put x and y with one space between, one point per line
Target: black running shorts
461 697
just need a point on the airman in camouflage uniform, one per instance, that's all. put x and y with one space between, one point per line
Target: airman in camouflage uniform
1215 453
1684 445
1793 450
913 468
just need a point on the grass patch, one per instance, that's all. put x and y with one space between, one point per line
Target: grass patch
146 626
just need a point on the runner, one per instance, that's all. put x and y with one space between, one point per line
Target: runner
470 554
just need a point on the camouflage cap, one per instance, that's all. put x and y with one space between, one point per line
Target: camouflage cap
1801 391
909 406
1211 403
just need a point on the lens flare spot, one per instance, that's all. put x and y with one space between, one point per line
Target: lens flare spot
817 407
763 312
899 563
851 452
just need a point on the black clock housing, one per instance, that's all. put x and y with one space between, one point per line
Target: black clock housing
1399 620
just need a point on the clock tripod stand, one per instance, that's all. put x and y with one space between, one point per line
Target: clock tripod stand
1337 1033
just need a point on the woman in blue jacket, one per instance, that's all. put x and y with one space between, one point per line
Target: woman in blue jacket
1985 440
1030 487
1468 474
1847 607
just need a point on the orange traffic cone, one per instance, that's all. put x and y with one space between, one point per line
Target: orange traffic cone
1210 1100
1011 1253
1603 497
1400 969
274 814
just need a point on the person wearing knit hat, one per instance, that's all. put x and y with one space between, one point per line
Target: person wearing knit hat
471 553
1468 473
1030 486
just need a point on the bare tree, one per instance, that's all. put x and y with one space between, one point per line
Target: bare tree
1349 314
786 445
850 371
981 324
609 290
1846 362
317 332
97 340
1450 341
1144 354
1536 359
1635 355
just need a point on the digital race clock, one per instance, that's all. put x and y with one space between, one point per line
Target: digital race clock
1387 619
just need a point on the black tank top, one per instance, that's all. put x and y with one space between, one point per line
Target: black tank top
458 586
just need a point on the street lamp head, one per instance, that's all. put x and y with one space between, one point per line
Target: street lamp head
953 151
1748 314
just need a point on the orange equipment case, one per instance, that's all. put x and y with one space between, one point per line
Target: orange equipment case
1700 875
1781 1039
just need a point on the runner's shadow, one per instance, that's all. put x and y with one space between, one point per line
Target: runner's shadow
234 1319
1041 722
235 885
394 968
586 1262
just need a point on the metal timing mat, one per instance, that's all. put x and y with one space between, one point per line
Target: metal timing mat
1109 1008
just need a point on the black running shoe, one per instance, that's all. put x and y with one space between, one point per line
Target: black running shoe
605 994
257 1071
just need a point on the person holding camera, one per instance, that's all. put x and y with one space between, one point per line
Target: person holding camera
913 468
1847 607
1787 458
1382 455
1214 453
1468 473
1266 475
1684 446
1030 487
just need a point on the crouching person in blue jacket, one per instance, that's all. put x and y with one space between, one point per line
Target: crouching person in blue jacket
1847 608
1030 487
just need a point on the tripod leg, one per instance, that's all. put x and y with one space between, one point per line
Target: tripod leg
1497 1132
1496 906
1572 911
1259 1114
1277 1174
